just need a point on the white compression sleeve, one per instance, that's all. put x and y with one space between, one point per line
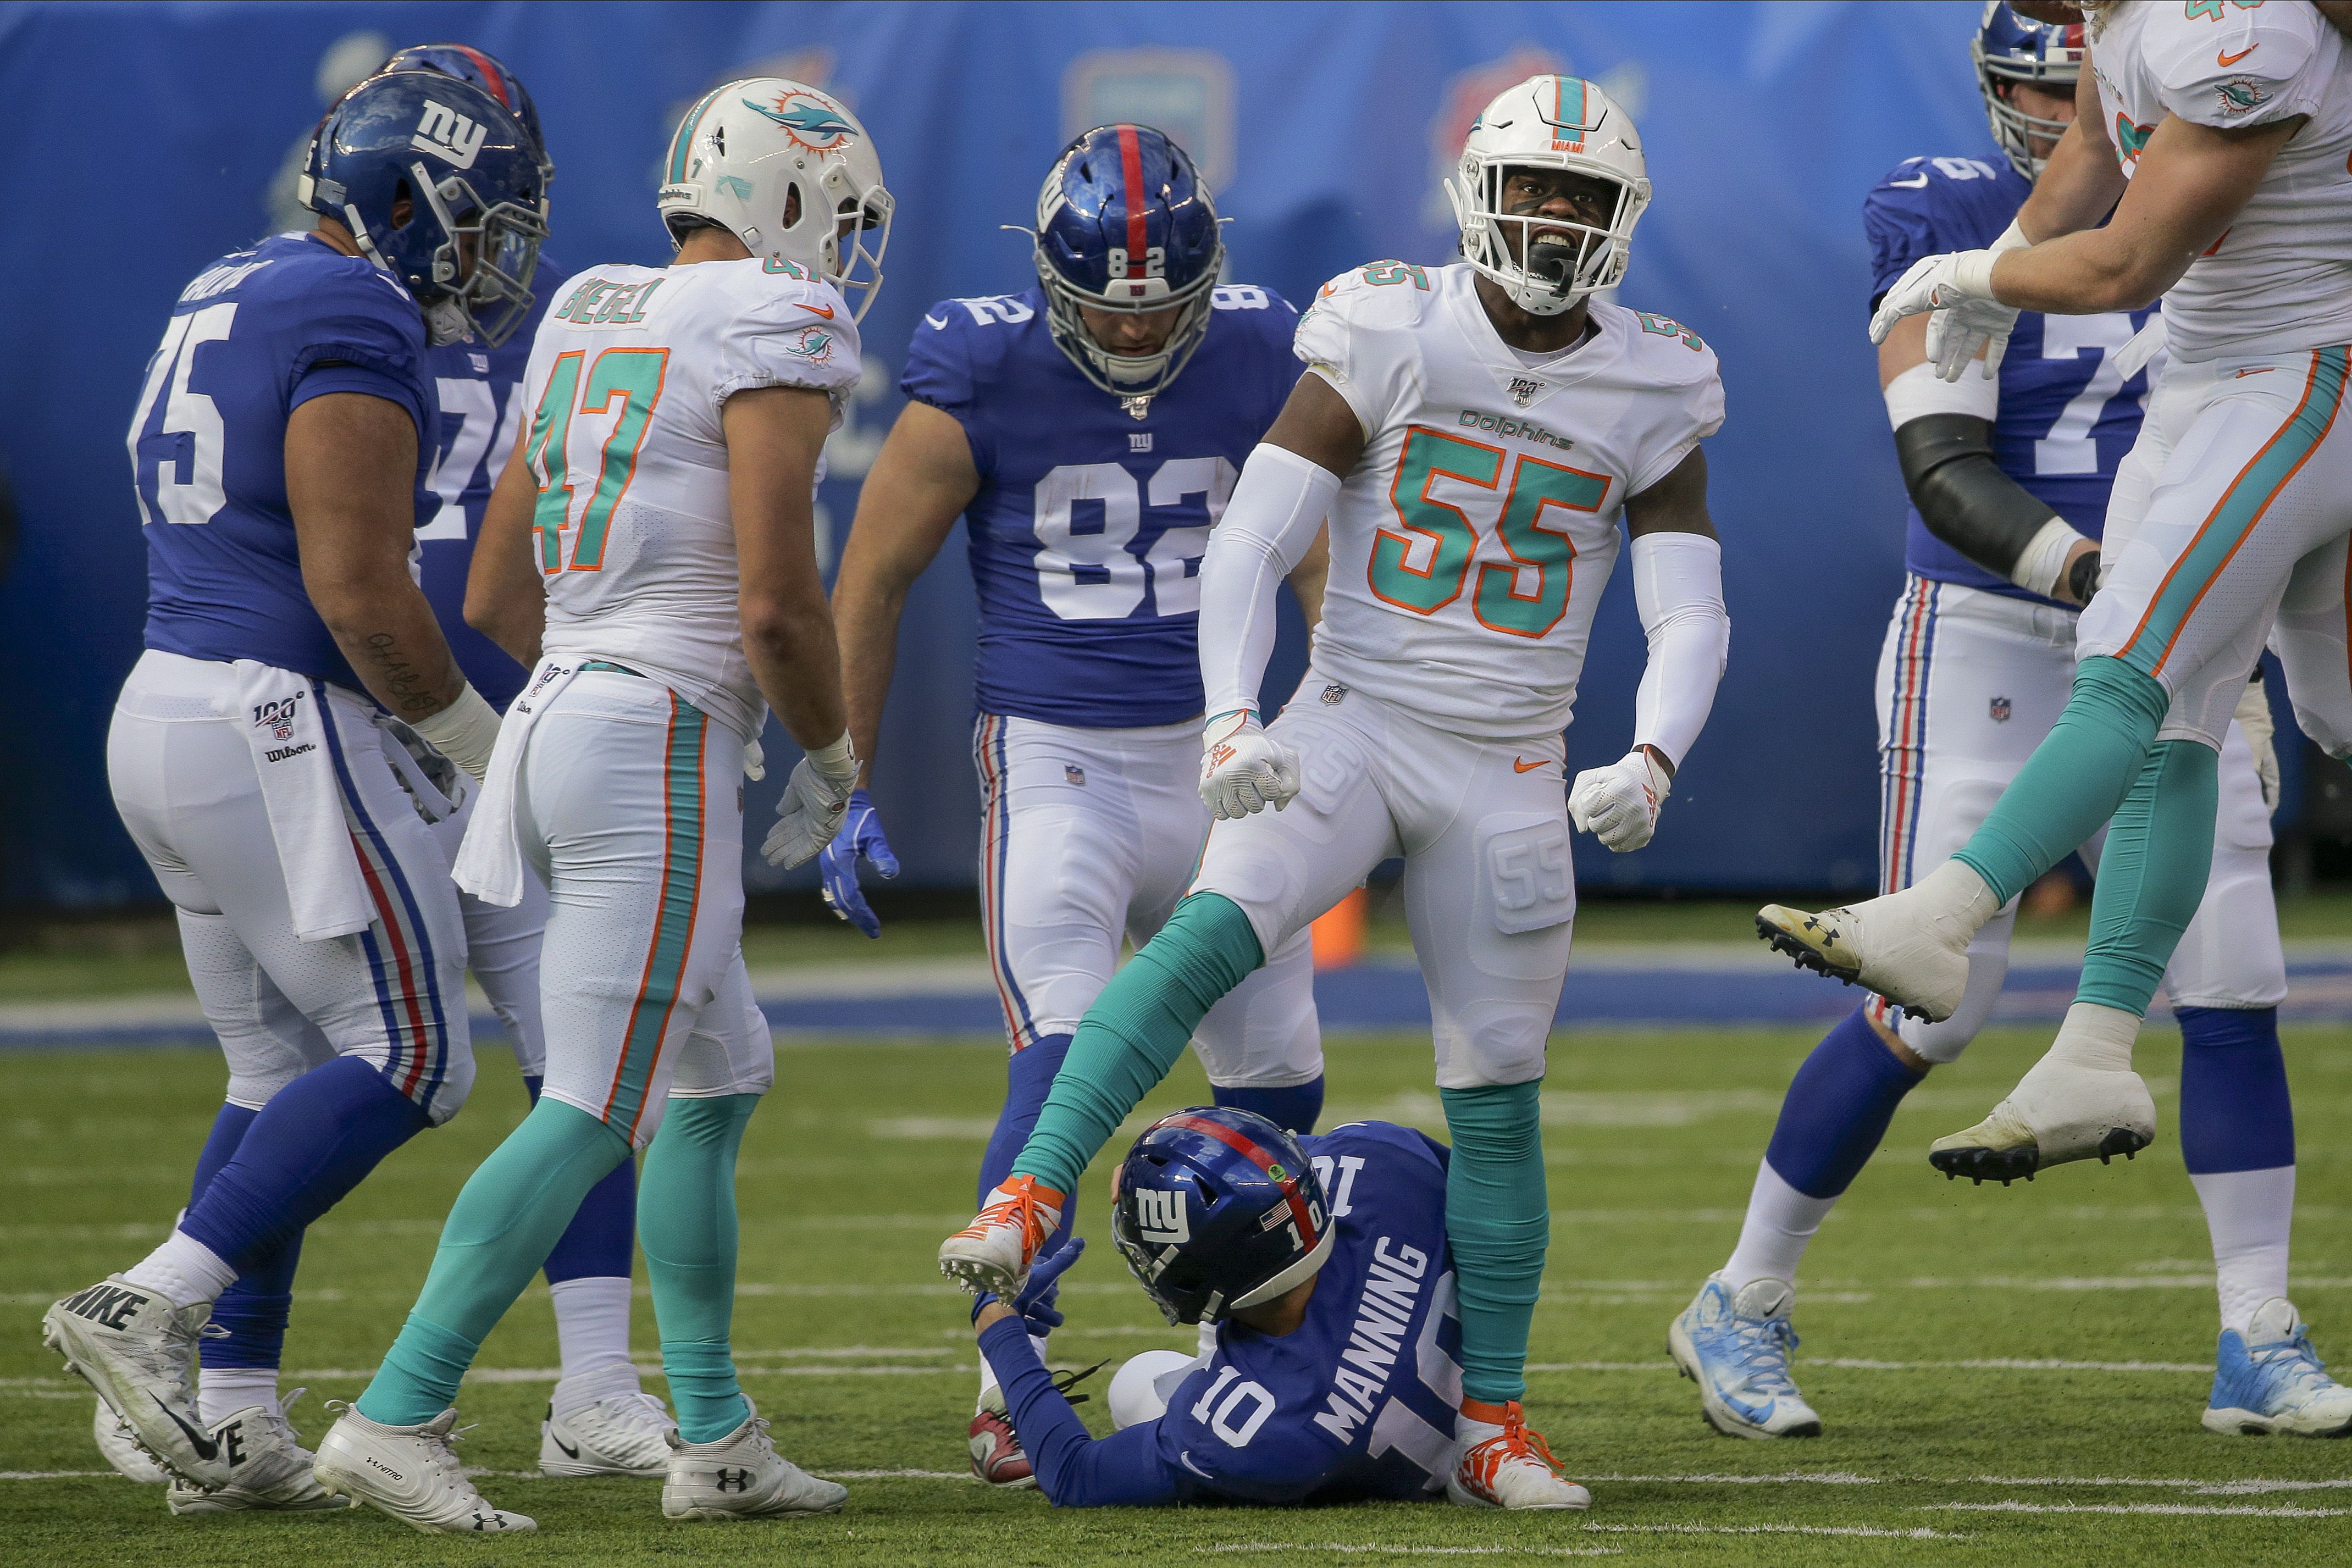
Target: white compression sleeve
1269 524
1679 592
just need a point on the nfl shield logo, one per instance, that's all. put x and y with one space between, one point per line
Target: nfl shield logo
1073 773
2001 710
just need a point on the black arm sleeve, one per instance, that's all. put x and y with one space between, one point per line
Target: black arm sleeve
1962 494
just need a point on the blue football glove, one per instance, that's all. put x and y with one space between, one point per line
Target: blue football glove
1035 1302
860 835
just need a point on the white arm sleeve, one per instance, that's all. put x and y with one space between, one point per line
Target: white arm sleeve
1678 590
1277 504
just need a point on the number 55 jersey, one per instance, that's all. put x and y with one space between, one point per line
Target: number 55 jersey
1471 542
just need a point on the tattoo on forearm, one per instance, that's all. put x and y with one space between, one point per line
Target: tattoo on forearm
411 692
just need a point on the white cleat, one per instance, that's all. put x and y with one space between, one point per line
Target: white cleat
741 1476
1911 948
623 1431
2060 1112
412 1473
268 1467
119 1445
994 1251
2269 1380
140 1352
1735 1346
1504 1464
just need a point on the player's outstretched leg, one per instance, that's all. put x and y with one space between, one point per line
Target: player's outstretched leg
1293 1109
997 1457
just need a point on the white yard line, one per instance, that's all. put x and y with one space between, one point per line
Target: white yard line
1922 1533
2201 1510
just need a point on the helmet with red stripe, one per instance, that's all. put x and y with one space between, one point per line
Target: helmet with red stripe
1217 1208
2010 49
486 71
1125 224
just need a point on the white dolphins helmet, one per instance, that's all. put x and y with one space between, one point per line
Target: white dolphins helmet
1549 122
790 173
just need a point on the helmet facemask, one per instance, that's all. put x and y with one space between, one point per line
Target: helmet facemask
858 211
494 295
2013 128
1560 259
1127 375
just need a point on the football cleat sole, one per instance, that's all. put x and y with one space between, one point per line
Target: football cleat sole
2254 1424
1812 944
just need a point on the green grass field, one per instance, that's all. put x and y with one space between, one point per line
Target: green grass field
863 1158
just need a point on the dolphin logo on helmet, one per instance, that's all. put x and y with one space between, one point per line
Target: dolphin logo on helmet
809 122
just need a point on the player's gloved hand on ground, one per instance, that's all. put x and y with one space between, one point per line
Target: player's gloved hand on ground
1957 287
816 800
1043 1288
860 836
2254 717
1619 804
1243 768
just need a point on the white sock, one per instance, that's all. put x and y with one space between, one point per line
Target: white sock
591 1322
988 1382
1779 1225
223 1391
614 1377
183 1271
2095 1037
2249 1213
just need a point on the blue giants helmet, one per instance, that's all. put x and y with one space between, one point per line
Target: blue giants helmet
1217 1208
1125 224
477 187
486 71
2012 48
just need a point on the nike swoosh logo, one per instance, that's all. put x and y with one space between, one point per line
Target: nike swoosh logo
1186 1460
568 1451
824 311
1909 184
2263 372
206 1448
1521 765
2222 60
935 323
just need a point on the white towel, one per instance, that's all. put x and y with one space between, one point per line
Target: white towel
489 862
2141 347
286 718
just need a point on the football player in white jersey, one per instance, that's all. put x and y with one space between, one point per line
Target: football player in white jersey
2219 137
662 580
1476 433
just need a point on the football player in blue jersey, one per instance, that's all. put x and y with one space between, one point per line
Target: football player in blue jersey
1089 430
274 751
2008 479
1322 1264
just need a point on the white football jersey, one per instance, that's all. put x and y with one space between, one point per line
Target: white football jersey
634 538
2279 280
1472 540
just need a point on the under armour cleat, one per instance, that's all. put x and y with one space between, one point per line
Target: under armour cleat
2060 1112
994 1251
997 1457
2270 1380
1736 1347
268 1467
741 1476
412 1473
1501 1463
140 1352
623 1431
120 1447
1911 948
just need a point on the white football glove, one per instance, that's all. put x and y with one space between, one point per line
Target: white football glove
1619 804
816 800
1957 287
2254 717
1243 768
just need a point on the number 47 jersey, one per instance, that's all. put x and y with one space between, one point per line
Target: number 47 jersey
1471 542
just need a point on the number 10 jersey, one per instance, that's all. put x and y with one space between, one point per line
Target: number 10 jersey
1472 540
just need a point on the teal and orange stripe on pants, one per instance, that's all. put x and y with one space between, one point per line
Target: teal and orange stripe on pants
681 888
2233 516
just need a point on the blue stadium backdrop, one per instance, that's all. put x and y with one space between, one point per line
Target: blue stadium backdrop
152 138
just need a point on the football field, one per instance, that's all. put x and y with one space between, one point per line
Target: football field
2006 1375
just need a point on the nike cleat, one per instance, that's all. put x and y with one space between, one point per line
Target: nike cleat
741 1476
2060 1112
412 1473
997 1457
120 1447
2270 1380
268 1467
624 1431
1911 948
1504 1464
140 1352
1736 1347
994 1251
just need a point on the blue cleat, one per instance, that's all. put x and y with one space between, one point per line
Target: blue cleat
2271 1380
1735 1348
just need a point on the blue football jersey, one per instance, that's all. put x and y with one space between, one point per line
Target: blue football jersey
257 335
1087 531
2066 418
1359 1400
478 391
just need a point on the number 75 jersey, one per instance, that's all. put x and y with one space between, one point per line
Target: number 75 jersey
1472 540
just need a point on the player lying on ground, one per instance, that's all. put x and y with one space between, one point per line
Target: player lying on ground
1322 1263
2009 480
1136 390
273 752
658 623
1476 433
2231 128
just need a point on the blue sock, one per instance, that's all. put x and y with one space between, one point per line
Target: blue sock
1837 1109
315 1140
1028 1074
601 1241
1293 1110
2235 1114
253 1310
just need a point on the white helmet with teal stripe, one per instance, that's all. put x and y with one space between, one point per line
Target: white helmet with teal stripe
790 173
1545 263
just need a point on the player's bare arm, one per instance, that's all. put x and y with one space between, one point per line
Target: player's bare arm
1317 425
774 435
919 483
505 600
2081 181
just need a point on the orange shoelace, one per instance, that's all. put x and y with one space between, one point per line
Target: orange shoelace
1021 1204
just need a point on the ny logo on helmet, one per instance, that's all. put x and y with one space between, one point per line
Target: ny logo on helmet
1160 1216
445 133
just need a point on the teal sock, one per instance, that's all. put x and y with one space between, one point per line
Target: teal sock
2075 780
2152 875
1498 1222
685 1220
499 1233
1135 1031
